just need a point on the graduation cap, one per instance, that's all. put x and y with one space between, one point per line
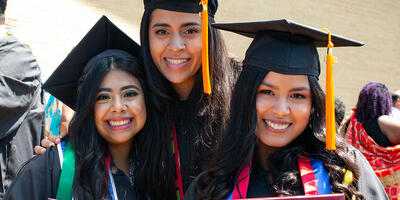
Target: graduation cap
207 9
104 35
188 6
287 47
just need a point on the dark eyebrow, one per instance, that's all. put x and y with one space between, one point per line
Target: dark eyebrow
104 90
190 24
130 87
160 24
183 25
122 88
291 90
299 89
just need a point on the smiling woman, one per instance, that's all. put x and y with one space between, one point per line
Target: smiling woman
119 111
176 47
171 38
99 157
275 141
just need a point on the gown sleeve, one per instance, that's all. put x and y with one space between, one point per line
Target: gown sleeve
38 178
369 184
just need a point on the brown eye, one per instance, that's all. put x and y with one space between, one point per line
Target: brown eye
267 92
161 32
102 97
298 96
131 94
191 31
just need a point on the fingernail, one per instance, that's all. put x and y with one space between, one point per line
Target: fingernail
58 140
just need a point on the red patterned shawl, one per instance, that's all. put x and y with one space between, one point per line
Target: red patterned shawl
384 160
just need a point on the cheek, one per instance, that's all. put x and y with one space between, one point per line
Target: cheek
262 106
99 111
139 109
302 113
154 47
194 46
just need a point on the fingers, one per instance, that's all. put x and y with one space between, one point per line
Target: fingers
54 139
39 150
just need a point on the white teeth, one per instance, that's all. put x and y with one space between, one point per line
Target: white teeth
119 123
276 125
176 61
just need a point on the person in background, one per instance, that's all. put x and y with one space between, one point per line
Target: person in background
396 105
21 104
340 111
275 140
377 135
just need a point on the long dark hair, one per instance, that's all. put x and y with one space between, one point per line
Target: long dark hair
90 180
239 143
374 101
211 109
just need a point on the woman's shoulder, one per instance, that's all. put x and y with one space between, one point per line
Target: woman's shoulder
368 183
390 126
38 177
41 161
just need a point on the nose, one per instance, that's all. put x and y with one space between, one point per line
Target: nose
281 107
118 106
176 43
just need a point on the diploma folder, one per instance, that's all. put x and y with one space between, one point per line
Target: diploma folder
305 197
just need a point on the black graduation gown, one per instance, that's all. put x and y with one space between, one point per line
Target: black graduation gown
38 179
186 136
21 108
260 186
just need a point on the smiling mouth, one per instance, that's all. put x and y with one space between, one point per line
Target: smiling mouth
176 61
277 126
119 124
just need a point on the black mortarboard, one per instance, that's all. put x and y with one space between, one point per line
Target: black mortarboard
189 6
284 46
104 35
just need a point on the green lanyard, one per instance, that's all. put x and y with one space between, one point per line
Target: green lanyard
64 190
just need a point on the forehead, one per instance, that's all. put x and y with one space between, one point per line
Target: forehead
173 17
286 80
118 78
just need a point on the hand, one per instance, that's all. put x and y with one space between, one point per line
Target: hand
52 140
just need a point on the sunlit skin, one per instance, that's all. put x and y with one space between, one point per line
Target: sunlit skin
283 105
119 114
175 46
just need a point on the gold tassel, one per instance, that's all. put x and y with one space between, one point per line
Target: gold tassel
330 99
204 49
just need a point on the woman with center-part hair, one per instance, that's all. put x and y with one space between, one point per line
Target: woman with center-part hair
172 39
275 141
100 156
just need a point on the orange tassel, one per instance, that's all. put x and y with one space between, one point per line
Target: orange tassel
204 49
330 99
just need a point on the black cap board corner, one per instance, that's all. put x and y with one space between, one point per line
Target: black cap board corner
284 46
104 35
189 6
